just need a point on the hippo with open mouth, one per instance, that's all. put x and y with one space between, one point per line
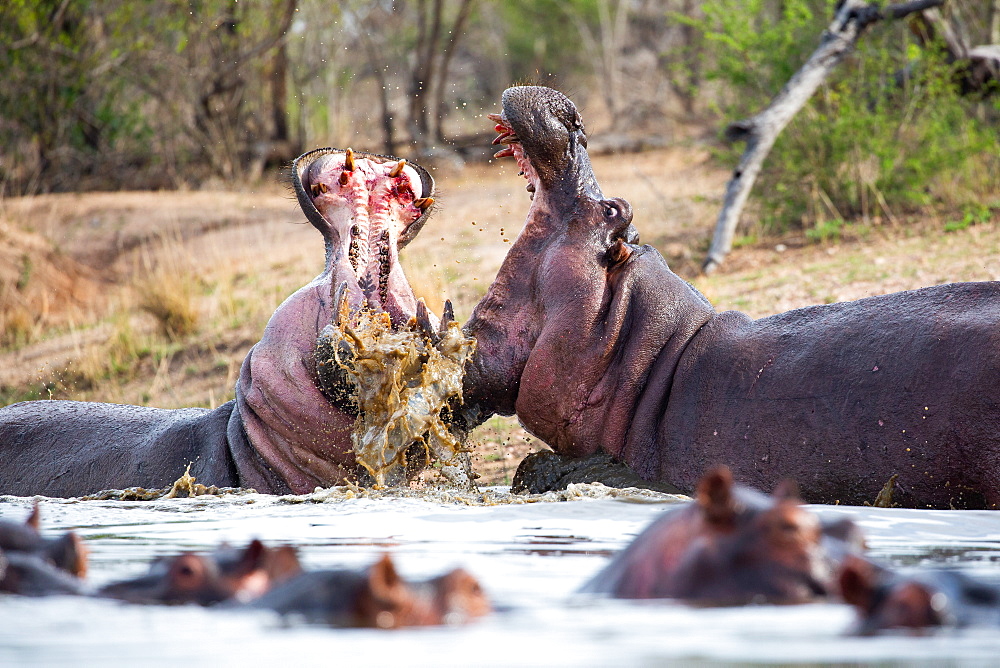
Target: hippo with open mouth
281 434
598 346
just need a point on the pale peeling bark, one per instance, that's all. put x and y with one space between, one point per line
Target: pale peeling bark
761 131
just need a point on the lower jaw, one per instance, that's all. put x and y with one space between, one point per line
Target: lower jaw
396 299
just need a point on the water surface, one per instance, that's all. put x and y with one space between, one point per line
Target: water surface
530 558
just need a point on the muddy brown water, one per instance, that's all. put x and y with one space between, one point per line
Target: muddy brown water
531 554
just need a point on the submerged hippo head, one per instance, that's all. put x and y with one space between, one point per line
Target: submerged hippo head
732 546
206 579
916 601
559 339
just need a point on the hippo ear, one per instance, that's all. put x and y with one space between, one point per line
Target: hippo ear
284 563
715 495
857 582
34 519
252 558
787 490
383 578
69 553
187 572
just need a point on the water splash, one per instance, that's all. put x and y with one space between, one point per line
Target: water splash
402 381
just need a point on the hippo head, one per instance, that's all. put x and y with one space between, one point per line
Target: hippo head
916 601
569 328
225 574
367 207
732 546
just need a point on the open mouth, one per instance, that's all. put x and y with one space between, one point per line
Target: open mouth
368 207
513 149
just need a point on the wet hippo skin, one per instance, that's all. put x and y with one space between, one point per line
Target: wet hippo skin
598 346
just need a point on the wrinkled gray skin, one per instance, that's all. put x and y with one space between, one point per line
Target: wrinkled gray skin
280 434
598 346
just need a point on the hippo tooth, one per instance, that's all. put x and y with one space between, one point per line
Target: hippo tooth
530 187
397 169
323 188
510 139
496 118
618 252
424 320
344 177
384 267
349 160
314 189
447 316
354 253
504 153
423 202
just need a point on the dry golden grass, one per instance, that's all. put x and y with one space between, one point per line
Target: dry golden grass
155 298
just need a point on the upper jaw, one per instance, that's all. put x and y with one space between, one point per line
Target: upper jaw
302 182
545 134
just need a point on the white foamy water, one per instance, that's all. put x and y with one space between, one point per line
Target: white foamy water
530 558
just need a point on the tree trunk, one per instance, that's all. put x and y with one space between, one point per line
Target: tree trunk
995 22
439 89
422 77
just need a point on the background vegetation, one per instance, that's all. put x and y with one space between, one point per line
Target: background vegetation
113 94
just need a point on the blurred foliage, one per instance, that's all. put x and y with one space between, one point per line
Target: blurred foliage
189 93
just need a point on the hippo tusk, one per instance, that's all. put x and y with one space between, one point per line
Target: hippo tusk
341 307
349 160
618 252
447 316
423 319
397 169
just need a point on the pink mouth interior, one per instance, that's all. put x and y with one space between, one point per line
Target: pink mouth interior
371 202
513 149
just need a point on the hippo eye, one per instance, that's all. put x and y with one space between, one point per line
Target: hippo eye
611 211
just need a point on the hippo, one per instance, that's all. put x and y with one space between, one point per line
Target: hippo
32 565
225 574
378 597
67 552
732 546
598 346
29 574
919 601
282 433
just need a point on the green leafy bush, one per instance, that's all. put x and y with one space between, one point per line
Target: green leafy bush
889 132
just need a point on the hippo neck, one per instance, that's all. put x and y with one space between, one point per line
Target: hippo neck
688 313
505 323
582 387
